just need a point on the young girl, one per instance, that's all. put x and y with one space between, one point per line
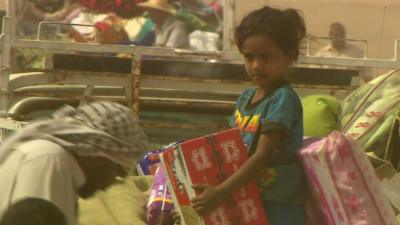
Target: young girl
270 118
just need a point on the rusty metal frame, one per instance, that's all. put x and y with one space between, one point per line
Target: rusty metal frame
24 107
38 36
63 77
160 124
224 56
134 82
186 87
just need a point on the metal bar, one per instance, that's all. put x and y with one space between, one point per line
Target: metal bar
12 15
365 43
228 24
186 52
8 31
163 124
168 101
118 98
232 57
169 95
151 92
198 106
11 8
135 87
182 101
195 79
68 96
58 23
128 93
242 82
324 87
72 47
107 48
189 93
346 39
30 104
350 62
86 94
153 100
397 51
63 77
11 124
393 63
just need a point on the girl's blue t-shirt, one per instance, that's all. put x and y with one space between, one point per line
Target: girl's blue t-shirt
282 180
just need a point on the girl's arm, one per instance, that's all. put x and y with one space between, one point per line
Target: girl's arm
211 196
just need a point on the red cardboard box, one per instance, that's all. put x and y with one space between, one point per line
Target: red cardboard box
211 159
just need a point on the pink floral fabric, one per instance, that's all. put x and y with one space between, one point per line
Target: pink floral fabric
345 189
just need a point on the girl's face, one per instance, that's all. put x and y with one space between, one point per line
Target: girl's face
264 61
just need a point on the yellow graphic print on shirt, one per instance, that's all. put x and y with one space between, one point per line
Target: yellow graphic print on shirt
245 125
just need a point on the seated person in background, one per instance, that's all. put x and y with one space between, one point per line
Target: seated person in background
33 211
170 32
29 14
75 153
338 46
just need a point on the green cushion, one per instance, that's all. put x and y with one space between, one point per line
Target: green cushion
320 115
123 203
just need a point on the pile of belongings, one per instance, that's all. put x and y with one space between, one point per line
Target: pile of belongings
129 26
369 115
353 174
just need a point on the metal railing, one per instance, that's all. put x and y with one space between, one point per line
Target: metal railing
8 42
313 38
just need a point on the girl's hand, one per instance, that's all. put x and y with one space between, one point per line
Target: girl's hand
208 198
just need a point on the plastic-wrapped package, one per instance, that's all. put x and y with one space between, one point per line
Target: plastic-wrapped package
149 164
203 40
345 188
160 206
151 161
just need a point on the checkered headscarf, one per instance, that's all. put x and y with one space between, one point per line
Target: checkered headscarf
104 129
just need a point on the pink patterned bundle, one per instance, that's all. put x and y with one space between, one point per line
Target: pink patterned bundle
345 189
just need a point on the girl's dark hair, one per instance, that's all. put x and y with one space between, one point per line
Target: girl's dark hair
285 27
